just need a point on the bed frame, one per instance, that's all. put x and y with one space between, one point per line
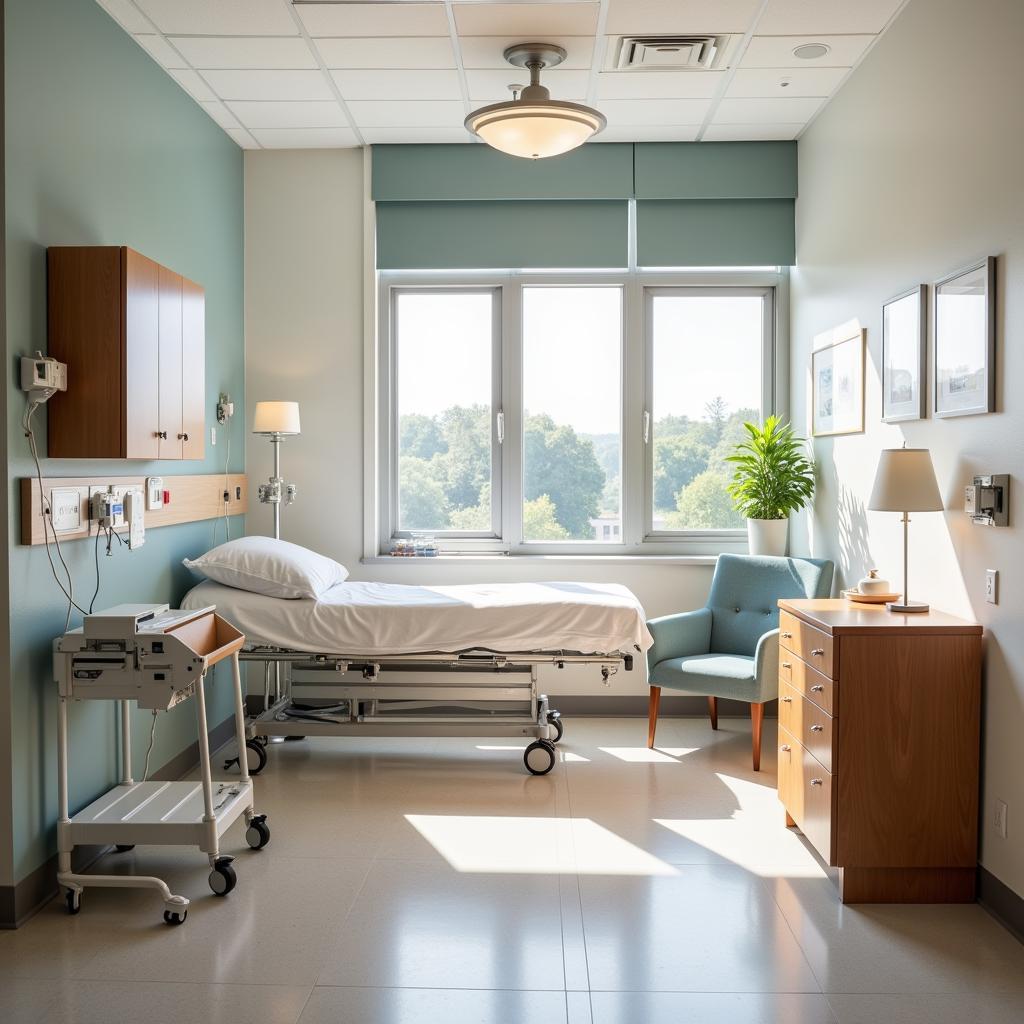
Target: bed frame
483 694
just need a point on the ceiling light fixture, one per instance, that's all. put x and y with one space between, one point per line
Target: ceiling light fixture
811 51
533 125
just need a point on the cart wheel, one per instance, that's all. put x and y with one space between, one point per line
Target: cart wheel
257 835
258 749
222 877
539 757
555 719
172 918
73 900
124 847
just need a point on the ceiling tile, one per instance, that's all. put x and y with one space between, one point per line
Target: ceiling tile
221 17
270 85
628 85
493 86
486 51
127 15
654 112
751 132
221 114
777 51
395 19
800 17
649 133
161 51
243 138
305 138
256 53
801 82
193 85
661 17
415 134
526 20
398 113
766 111
288 115
426 52
398 85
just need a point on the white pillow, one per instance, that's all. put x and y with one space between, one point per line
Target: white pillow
263 565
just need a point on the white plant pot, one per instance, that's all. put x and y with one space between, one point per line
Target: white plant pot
767 536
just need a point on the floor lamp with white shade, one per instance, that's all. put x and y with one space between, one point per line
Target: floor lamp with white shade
276 420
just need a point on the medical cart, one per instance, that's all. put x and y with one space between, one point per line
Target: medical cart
158 658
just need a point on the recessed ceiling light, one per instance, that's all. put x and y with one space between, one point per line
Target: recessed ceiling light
811 51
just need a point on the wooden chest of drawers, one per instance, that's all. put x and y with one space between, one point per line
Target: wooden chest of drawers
879 720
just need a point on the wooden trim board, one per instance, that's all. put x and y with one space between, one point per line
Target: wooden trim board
192 498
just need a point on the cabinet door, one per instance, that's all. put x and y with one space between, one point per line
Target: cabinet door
193 361
170 364
141 362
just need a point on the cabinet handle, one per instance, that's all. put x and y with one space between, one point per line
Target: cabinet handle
183 437
785 748
817 688
818 652
787 700
787 664
817 728
162 434
787 636
816 782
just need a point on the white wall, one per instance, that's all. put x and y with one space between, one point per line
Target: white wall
914 170
304 341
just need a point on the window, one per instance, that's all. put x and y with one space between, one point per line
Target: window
554 413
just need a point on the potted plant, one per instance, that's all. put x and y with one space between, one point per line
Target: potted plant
773 478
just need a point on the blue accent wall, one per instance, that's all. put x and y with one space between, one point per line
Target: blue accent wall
103 148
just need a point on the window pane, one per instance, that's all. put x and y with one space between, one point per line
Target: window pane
572 448
707 383
443 378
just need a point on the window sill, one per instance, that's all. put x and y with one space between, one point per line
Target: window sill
495 559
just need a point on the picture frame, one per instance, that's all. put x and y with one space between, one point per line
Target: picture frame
837 386
905 356
964 354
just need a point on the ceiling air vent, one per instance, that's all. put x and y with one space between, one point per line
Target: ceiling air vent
669 53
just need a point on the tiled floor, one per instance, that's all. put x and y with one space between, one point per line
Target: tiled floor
433 880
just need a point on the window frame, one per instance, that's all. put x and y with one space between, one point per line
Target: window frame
639 285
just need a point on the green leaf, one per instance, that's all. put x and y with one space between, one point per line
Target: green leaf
773 475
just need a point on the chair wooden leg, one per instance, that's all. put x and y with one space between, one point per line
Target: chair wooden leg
652 714
756 719
713 711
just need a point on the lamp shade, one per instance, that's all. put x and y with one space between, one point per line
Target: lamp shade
276 418
905 482
535 130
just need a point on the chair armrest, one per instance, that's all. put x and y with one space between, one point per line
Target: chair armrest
766 665
676 636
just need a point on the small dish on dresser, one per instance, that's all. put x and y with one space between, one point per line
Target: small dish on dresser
855 595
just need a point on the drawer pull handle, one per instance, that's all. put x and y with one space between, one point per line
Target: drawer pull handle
816 782
787 664
818 652
817 688
817 728
785 748
787 636
787 700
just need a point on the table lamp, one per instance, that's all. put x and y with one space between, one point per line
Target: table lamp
905 482
276 420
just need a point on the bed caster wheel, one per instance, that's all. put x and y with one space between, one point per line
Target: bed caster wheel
124 847
73 900
258 750
555 721
539 757
222 878
257 835
172 917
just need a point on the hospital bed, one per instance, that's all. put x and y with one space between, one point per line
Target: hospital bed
382 659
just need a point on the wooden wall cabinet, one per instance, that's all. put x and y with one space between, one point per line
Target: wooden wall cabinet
134 337
879 736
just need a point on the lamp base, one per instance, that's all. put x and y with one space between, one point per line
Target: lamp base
907 606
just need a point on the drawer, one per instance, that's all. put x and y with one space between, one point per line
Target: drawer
810 644
808 723
805 789
813 685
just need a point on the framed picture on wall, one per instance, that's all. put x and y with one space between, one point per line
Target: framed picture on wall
965 341
904 356
837 387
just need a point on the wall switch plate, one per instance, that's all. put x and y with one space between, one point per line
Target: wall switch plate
1000 819
213 436
992 586
65 509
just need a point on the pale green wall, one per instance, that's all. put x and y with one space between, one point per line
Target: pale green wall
102 147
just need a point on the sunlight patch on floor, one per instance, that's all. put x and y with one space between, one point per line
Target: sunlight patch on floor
644 755
528 845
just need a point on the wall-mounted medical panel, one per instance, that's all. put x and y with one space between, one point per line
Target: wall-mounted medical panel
132 334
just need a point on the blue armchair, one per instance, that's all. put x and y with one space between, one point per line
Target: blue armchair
730 648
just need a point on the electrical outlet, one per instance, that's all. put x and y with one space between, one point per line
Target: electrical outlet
1000 819
992 586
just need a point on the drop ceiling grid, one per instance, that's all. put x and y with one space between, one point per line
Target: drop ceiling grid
272 74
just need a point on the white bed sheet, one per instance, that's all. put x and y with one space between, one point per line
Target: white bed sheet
382 619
